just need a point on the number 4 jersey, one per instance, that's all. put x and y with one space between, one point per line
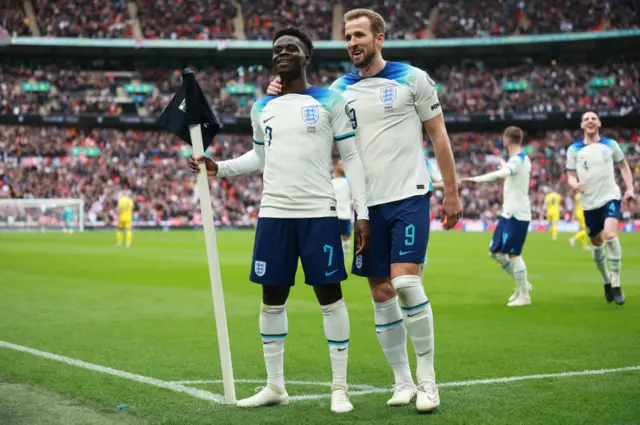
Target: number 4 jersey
594 166
298 131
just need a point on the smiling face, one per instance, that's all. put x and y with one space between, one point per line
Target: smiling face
590 123
289 56
362 43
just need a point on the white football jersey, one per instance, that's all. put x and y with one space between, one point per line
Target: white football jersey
516 202
298 131
390 108
343 197
593 164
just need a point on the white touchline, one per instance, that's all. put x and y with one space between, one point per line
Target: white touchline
182 386
368 389
193 392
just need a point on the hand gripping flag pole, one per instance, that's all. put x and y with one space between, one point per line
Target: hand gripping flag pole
190 117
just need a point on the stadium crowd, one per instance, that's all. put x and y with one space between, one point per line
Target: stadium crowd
217 19
50 162
537 87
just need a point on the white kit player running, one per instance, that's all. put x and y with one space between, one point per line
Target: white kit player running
513 224
343 205
293 136
392 103
590 170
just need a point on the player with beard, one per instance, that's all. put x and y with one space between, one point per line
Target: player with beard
393 103
590 171
293 136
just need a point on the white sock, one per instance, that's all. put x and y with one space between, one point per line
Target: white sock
614 252
345 247
504 261
273 329
418 319
392 336
520 274
600 259
336 329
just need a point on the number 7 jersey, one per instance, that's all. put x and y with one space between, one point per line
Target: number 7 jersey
594 166
298 131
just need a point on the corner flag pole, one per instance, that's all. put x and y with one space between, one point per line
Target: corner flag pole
214 268
189 116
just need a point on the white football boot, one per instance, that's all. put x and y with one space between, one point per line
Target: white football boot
266 396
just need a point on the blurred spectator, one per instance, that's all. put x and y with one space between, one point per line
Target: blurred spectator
13 21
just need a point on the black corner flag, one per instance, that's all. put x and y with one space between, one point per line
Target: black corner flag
189 106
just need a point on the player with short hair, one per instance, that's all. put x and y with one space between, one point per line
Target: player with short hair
513 225
578 214
591 171
125 218
343 205
293 135
68 220
552 203
392 103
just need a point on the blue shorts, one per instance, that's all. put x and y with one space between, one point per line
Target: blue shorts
279 242
399 234
509 236
345 228
594 219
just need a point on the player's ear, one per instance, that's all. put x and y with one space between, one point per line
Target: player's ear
307 60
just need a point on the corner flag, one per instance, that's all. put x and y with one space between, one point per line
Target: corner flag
190 117
189 106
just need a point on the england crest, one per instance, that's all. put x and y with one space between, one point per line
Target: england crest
310 114
359 261
388 94
260 268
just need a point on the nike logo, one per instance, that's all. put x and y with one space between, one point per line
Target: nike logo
383 330
330 273
267 342
405 252
423 354
414 314
268 119
342 349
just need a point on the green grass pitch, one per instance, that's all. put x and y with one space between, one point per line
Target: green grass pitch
147 310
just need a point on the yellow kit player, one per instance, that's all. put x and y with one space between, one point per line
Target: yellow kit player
552 203
578 213
125 217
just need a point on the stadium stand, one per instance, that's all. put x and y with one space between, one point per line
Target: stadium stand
49 162
218 19
263 17
538 87
90 19
184 19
